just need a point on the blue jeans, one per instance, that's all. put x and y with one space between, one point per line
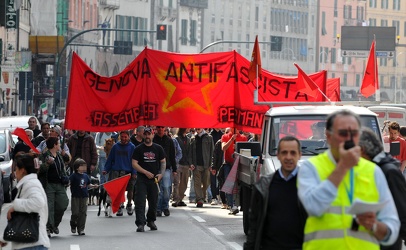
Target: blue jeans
229 197
165 186
102 162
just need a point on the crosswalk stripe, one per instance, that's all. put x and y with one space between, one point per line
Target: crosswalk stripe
235 245
74 247
198 218
215 231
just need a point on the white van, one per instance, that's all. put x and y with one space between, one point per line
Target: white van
389 113
12 122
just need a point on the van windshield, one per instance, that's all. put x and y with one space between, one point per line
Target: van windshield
310 130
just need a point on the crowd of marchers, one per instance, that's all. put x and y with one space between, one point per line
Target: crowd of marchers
296 207
162 163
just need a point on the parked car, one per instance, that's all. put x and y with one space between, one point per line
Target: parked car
6 162
12 122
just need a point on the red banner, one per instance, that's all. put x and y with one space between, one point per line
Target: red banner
178 90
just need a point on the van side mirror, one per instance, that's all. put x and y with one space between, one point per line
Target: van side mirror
254 147
394 148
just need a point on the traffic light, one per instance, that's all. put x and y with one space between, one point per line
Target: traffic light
276 43
161 32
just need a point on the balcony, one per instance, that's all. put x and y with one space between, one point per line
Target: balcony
202 4
110 4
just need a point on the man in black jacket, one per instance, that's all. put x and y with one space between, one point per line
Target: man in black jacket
165 185
372 149
276 216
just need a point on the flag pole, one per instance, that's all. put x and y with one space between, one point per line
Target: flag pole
115 179
377 90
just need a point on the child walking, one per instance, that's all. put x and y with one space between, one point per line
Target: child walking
79 184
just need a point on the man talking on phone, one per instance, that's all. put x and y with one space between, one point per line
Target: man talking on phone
329 183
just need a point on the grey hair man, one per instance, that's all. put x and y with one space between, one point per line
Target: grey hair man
138 137
372 149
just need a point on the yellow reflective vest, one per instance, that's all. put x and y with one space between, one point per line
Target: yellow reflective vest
332 230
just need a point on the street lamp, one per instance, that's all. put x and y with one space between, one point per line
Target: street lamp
325 59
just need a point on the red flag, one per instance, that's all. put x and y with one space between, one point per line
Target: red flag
333 89
116 189
229 186
305 84
370 81
23 136
255 65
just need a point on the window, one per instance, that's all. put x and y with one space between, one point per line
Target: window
193 30
384 23
347 12
372 22
120 25
397 25
384 4
345 80
183 34
360 13
139 38
323 24
357 80
396 4
392 81
333 55
372 3
335 8
403 82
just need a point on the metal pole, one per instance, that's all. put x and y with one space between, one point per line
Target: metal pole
396 77
60 95
59 54
25 94
227 41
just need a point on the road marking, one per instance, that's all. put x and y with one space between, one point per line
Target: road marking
198 218
74 247
215 231
235 245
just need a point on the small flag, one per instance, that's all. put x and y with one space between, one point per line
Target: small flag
305 84
370 81
230 184
116 190
44 108
255 65
23 136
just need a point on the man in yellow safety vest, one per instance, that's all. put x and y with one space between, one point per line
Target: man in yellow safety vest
328 184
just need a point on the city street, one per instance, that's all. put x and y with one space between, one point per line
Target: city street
186 228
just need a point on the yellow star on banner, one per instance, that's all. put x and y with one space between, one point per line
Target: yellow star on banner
179 95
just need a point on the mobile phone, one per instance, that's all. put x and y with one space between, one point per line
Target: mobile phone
350 143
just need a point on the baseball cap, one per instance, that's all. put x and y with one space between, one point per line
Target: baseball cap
148 130
57 129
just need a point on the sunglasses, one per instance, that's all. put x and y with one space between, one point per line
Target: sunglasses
346 132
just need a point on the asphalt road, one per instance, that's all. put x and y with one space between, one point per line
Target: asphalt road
186 228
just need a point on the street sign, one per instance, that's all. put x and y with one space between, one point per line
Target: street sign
354 53
365 53
385 54
8 68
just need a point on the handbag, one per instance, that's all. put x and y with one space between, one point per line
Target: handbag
22 227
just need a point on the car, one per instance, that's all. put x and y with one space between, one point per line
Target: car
12 122
6 163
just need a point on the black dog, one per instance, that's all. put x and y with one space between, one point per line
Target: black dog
105 202
94 192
